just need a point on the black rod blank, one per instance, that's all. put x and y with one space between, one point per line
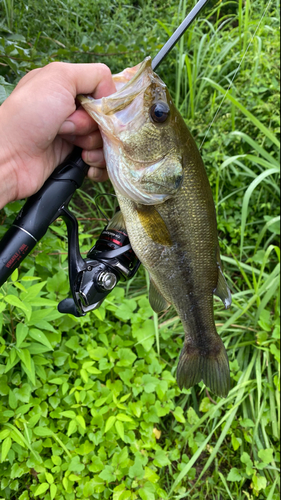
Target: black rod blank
177 34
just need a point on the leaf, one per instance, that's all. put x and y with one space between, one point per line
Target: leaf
42 488
93 370
42 431
16 302
56 460
6 445
40 301
146 493
205 405
53 491
24 356
157 433
35 348
3 434
30 373
108 474
98 353
123 417
74 477
75 465
109 423
151 475
192 416
49 477
136 471
72 427
118 492
56 380
4 388
236 442
73 343
81 421
21 333
40 337
15 275
234 475
126 357
178 414
161 459
12 400
259 482
68 414
120 429
266 455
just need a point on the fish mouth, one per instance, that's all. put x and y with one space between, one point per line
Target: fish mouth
113 113
121 117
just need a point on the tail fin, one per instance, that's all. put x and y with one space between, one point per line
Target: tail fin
210 365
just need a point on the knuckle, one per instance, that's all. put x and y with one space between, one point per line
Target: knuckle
55 66
104 70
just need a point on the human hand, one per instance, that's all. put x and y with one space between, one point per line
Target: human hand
39 125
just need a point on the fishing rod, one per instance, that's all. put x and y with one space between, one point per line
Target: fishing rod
111 259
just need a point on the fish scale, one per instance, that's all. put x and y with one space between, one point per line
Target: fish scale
168 211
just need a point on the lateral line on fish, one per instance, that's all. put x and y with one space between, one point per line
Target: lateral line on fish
234 76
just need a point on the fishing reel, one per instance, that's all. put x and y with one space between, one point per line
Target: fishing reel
109 261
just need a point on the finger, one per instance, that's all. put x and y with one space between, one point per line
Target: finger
94 158
29 76
79 123
88 142
97 174
92 78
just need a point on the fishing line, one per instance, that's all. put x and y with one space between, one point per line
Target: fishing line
98 207
236 71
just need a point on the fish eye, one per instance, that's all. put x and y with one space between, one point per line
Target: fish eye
159 112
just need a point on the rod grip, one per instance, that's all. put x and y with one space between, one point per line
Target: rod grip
15 245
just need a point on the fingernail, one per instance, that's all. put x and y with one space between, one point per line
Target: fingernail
67 127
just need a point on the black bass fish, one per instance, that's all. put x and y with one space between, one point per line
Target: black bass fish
168 211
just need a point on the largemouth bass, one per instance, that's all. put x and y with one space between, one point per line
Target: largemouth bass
168 211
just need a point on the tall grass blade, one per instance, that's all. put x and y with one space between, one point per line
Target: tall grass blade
247 197
259 149
274 220
246 112
225 485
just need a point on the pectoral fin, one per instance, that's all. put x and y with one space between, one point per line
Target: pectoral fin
222 291
154 225
117 222
156 299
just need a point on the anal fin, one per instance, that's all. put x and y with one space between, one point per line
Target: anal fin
156 299
222 291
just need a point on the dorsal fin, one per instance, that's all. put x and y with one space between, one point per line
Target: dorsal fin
154 225
156 299
222 291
